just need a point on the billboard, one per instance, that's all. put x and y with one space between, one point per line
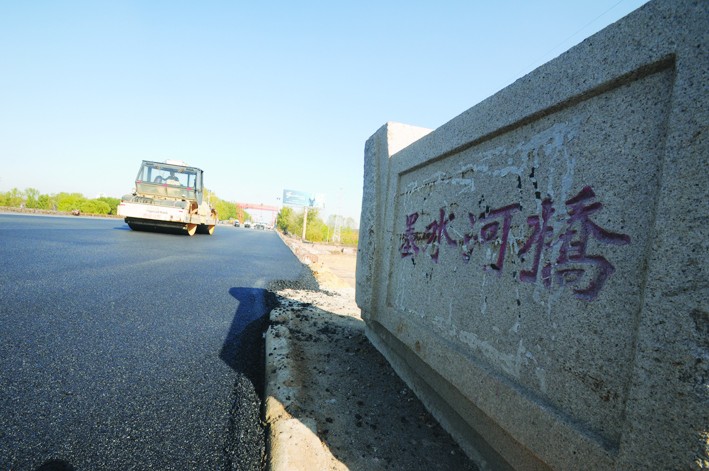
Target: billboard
302 198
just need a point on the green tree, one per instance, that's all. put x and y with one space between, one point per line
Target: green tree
94 207
44 202
32 198
316 230
111 202
225 209
13 198
348 234
349 237
285 219
69 201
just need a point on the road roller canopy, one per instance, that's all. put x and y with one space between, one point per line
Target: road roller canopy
168 179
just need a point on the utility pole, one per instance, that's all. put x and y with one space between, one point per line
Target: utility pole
336 237
338 229
305 221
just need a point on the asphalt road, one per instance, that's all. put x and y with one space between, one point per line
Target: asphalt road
132 350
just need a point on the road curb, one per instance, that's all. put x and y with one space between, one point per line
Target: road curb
292 444
333 403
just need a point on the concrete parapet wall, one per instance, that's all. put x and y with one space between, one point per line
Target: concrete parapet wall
536 268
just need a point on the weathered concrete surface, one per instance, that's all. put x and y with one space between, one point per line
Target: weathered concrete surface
536 268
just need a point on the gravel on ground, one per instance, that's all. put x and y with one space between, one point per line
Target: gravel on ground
332 401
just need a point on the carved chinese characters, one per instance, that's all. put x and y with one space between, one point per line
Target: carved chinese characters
555 250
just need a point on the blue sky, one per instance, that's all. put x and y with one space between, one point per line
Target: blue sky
263 96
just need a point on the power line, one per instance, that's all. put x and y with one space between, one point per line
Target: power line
541 56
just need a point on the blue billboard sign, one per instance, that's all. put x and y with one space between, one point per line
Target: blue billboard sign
298 198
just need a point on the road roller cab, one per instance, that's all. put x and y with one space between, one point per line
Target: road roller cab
168 196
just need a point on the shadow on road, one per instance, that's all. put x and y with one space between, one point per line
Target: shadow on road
55 465
243 346
243 351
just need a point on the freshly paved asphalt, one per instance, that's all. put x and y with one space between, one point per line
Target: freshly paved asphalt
132 350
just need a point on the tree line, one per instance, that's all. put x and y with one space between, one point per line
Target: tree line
290 221
31 198
227 210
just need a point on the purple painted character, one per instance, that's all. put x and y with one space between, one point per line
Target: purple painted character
437 231
409 247
490 231
540 239
574 262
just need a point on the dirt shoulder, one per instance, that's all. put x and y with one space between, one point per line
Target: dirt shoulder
332 400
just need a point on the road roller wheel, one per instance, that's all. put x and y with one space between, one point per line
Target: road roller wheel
205 229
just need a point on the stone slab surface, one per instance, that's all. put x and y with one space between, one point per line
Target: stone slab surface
539 263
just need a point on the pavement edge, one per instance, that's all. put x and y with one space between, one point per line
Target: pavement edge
291 444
